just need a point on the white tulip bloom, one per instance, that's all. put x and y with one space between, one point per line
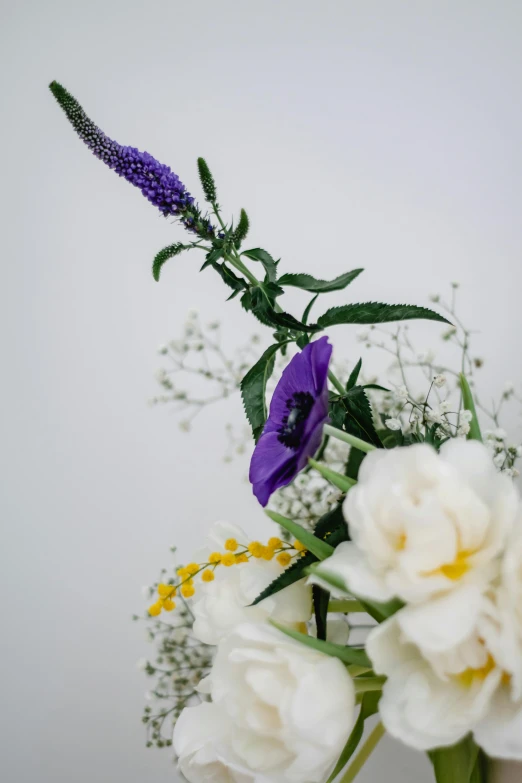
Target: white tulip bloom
285 710
423 523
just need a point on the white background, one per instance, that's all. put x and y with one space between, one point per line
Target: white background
376 134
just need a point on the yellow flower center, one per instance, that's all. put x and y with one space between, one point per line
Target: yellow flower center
469 677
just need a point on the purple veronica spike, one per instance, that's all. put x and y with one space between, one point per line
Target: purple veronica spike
294 428
156 181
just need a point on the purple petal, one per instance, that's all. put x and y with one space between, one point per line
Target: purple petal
271 463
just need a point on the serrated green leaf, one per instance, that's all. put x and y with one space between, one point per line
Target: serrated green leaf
315 545
290 575
253 389
258 254
265 312
310 283
375 313
345 654
331 527
163 256
358 419
369 707
352 380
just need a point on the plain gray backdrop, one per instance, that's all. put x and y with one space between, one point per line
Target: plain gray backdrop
382 134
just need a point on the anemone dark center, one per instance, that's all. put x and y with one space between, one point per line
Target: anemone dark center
291 430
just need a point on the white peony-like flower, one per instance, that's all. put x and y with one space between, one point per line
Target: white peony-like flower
283 711
500 734
424 708
454 664
202 745
423 523
222 604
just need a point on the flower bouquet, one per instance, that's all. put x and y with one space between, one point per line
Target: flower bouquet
393 596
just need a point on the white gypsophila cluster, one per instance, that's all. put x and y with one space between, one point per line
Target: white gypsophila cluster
425 391
175 668
443 534
198 372
310 496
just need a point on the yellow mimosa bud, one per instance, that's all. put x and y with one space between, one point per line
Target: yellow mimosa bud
168 605
207 575
187 591
275 543
228 559
155 609
192 568
299 547
283 558
215 557
231 544
255 549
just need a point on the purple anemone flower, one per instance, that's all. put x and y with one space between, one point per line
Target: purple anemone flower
294 428
157 182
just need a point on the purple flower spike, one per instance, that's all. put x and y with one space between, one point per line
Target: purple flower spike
294 428
161 186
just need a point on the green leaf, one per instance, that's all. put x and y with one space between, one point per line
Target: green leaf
253 389
345 654
290 575
258 254
358 419
331 527
456 764
164 255
344 483
241 230
265 312
320 600
369 707
207 181
315 545
355 457
469 404
212 256
308 308
352 380
309 283
375 313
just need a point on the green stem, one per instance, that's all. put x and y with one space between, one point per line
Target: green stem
336 382
363 755
352 440
346 606
366 684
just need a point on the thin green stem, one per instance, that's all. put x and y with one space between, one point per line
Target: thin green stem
346 606
336 382
363 755
357 443
366 684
